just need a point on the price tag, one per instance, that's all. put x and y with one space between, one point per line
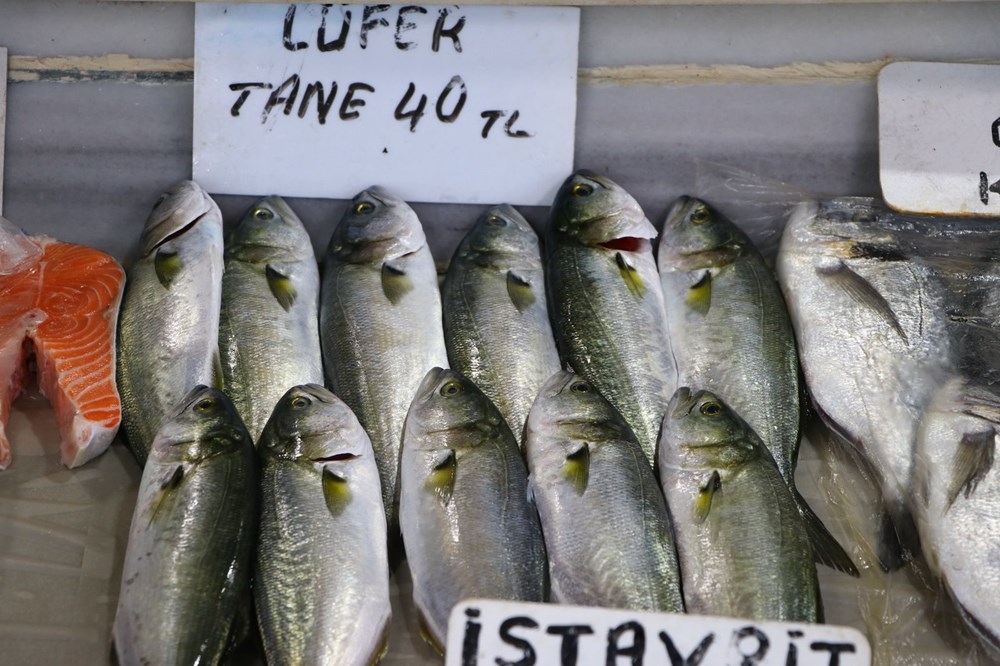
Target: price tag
939 138
3 114
486 632
438 104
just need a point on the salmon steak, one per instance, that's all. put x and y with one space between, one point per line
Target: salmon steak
58 313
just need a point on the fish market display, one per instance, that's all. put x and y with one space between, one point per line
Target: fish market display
468 526
607 531
729 331
59 305
269 321
958 501
496 322
870 326
169 327
322 572
743 547
605 300
187 566
380 321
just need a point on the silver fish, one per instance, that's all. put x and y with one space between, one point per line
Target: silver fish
729 332
321 580
380 321
168 326
743 548
606 302
468 526
269 322
496 321
186 575
606 526
870 324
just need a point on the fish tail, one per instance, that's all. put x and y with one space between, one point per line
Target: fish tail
826 549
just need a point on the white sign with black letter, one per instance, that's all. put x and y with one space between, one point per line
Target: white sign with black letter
446 104
939 138
485 632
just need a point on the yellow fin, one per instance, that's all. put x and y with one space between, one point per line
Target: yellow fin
167 266
519 291
167 489
442 478
336 492
576 468
395 283
699 295
703 502
281 286
631 276
428 635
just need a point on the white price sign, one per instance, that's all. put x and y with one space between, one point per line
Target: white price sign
939 138
485 632
439 104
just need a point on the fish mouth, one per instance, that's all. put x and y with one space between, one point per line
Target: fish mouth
336 457
177 233
684 401
628 244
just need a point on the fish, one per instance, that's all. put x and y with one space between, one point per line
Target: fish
496 320
269 317
58 312
871 328
186 574
468 526
729 331
380 322
605 300
607 529
168 328
743 548
321 577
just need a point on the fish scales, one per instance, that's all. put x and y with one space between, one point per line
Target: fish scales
606 302
269 318
496 320
169 322
322 573
380 322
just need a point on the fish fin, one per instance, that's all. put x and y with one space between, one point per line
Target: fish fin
427 634
167 489
167 266
281 286
395 282
519 290
576 468
631 276
898 538
826 549
218 377
862 292
703 502
336 492
972 462
530 491
381 648
699 295
442 477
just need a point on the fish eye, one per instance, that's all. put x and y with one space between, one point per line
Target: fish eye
580 387
711 409
263 214
364 208
700 216
582 190
206 405
451 389
496 221
300 402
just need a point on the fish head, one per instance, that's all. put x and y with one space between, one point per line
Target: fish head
848 228
204 424
177 210
449 411
310 423
700 430
501 230
270 231
593 210
695 235
375 227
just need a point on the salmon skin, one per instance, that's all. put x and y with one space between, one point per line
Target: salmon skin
59 305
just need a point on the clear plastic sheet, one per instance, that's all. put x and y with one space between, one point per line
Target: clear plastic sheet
17 251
